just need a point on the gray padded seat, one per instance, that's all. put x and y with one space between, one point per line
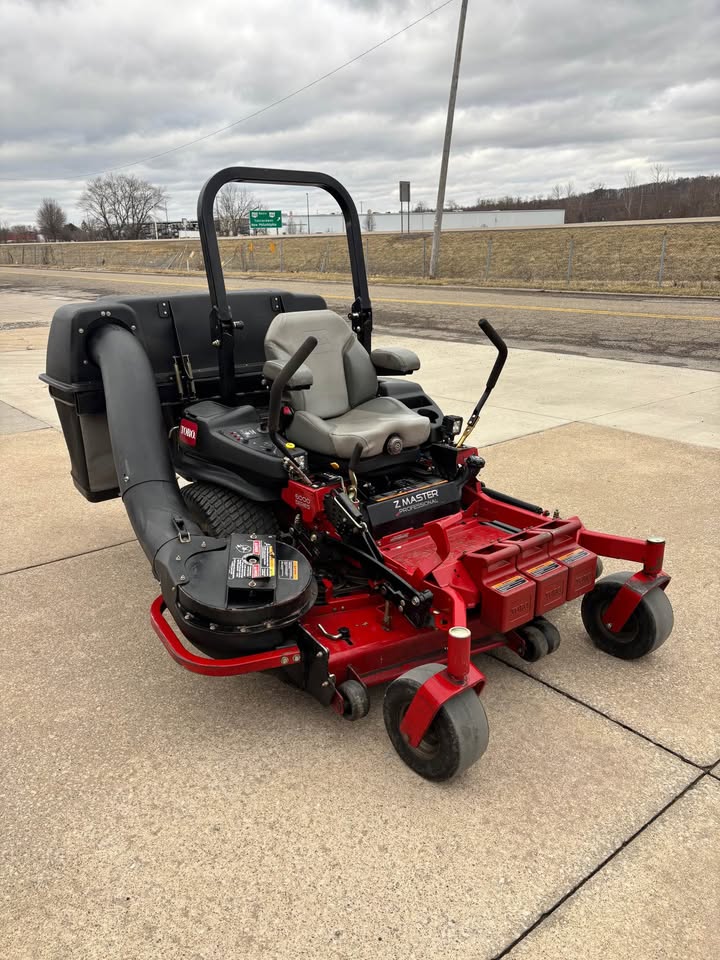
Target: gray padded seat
342 406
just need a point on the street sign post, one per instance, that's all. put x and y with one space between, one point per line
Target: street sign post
404 198
265 219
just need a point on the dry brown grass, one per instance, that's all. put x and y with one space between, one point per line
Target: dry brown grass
622 258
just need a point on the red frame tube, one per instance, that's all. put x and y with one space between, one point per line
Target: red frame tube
250 663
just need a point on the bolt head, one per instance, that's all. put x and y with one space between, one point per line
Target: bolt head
182 577
81 330
284 660
416 601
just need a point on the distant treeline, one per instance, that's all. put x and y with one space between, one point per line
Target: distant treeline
663 197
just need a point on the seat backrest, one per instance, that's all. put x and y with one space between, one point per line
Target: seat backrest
343 374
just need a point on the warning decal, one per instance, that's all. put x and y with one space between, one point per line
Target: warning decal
542 568
574 556
505 586
288 570
256 561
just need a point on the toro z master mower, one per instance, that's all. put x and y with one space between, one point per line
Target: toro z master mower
335 528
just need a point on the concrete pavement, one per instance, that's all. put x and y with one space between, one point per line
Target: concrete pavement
148 812
677 331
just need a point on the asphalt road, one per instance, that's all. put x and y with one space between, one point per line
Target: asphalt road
676 331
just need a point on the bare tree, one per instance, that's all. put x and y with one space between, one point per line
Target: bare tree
657 170
629 192
369 221
120 204
51 219
232 208
557 193
4 232
658 175
569 189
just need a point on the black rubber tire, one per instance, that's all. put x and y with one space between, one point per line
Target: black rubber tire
457 737
356 699
647 629
536 643
220 512
599 567
550 631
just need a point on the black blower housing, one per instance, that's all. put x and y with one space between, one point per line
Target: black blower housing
228 596
238 594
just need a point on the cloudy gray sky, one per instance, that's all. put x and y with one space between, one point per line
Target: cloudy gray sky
550 91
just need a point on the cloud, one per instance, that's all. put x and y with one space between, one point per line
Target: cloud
550 91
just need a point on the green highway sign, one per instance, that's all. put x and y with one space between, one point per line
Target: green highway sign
264 219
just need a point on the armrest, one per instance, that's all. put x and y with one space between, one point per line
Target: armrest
302 379
394 360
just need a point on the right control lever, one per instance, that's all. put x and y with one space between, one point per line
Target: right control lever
501 347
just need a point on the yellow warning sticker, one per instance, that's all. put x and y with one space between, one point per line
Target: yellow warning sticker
574 556
542 568
289 570
505 586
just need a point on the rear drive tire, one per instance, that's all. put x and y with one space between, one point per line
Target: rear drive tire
220 512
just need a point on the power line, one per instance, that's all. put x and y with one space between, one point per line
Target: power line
235 123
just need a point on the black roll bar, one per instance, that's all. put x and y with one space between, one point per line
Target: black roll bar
222 325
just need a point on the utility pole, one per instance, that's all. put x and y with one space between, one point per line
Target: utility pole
307 201
435 253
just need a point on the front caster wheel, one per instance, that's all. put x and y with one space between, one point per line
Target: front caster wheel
647 629
457 737
356 699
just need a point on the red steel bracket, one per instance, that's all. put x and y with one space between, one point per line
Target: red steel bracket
430 697
626 600
215 668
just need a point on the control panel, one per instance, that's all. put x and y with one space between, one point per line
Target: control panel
251 437
258 440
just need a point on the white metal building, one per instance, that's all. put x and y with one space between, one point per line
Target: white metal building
423 222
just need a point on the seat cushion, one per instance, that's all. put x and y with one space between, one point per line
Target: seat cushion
371 423
342 372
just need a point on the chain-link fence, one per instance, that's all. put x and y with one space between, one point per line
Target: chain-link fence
652 256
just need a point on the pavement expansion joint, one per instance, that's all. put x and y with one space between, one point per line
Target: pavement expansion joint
646 403
702 768
600 866
70 556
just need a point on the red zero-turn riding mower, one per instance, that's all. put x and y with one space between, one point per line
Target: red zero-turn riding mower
335 528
